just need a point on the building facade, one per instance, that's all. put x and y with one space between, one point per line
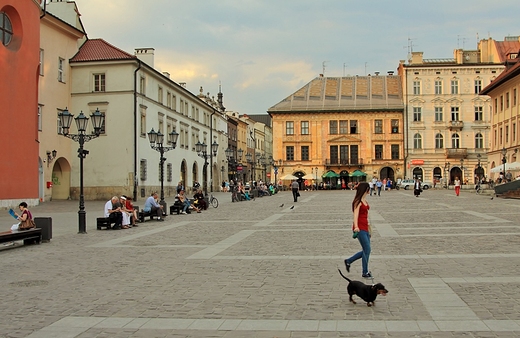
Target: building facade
19 66
341 128
447 122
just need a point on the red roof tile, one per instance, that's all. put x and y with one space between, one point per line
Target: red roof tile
100 50
506 47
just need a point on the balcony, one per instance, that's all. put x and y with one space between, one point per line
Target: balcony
456 153
335 162
455 125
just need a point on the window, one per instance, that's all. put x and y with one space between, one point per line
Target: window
378 126
333 154
514 97
507 135
343 127
501 102
478 86
305 127
500 134
417 141
478 113
417 88
507 100
142 168
395 151
169 100
343 154
354 151
438 114
6 29
496 105
379 151
439 141
41 62
479 141
142 85
289 128
169 172
417 114
305 153
438 87
353 127
143 122
395 126
454 87
61 65
160 95
182 107
289 153
40 110
99 82
174 102
455 141
455 113
333 127
514 132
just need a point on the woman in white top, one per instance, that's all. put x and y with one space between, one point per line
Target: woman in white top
457 186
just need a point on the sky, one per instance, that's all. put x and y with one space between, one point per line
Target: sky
261 51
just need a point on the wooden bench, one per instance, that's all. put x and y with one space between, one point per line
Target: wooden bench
103 222
30 236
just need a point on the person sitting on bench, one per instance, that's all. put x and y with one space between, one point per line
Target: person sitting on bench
153 207
200 201
186 203
113 213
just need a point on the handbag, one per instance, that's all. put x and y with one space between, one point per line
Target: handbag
27 224
297 194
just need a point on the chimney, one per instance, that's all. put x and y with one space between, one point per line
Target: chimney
166 74
146 55
377 73
417 58
321 75
182 84
390 72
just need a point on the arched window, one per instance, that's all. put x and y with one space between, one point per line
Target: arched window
455 141
6 29
439 141
417 141
479 141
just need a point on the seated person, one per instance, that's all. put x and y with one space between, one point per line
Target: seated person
153 207
114 213
200 201
186 203
130 207
243 193
127 213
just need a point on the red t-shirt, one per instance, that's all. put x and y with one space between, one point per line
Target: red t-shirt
363 217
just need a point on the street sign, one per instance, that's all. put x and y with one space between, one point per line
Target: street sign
239 168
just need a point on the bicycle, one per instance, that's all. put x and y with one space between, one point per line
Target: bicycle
213 201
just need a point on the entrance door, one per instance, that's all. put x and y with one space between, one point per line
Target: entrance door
61 179
418 173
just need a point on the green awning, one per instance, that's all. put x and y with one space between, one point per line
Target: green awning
357 173
330 174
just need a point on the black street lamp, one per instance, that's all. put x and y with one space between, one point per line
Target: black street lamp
98 120
504 160
479 168
447 171
462 170
156 143
202 151
233 161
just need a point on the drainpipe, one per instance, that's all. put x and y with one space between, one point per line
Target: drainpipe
135 129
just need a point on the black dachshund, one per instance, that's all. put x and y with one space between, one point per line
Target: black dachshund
366 292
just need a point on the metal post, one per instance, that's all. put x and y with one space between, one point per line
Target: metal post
82 215
161 169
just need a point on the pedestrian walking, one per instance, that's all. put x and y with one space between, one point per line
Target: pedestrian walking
379 185
295 190
457 186
417 187
371 185
361 229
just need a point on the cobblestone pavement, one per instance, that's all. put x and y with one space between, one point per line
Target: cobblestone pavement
256 269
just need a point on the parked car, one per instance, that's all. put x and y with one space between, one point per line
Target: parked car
408 184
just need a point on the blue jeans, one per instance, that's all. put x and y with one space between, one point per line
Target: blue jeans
364 239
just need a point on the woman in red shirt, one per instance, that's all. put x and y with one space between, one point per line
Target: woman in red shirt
361 228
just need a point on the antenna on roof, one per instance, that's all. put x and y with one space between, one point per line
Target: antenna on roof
323 65
366 63
410 47
344 67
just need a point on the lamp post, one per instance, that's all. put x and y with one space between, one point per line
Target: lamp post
233 160
202 151
504 160
156 143
447 170
98 121
479 168
462 170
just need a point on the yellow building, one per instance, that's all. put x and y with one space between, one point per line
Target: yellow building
352 126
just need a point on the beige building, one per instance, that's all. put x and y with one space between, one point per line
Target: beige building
447 122
505 118
349 126
61 34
